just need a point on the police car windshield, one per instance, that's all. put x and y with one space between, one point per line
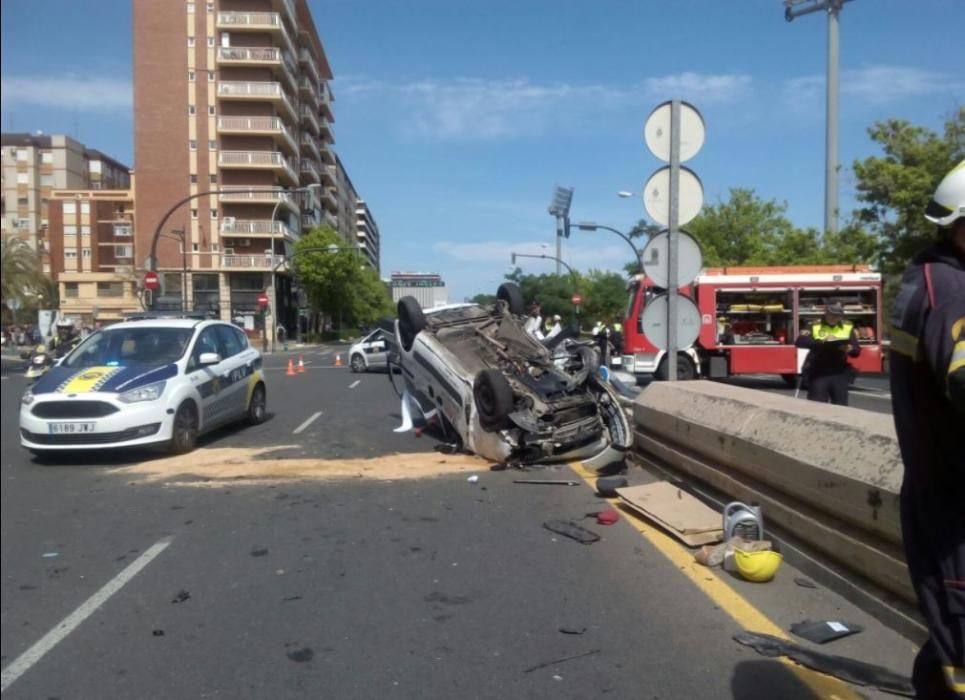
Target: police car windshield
129 347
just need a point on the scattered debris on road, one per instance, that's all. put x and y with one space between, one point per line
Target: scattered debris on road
572 630
548 482
607 486
180 597
607 517
50 555
568 528
258 551
804 583
824 631
301 655
474 479
676 511
559 661
157 633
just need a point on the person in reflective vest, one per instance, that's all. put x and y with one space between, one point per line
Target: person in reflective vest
831 341
927 367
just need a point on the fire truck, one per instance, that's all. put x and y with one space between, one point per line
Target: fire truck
751 316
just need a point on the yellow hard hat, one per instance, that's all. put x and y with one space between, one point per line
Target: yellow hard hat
759 567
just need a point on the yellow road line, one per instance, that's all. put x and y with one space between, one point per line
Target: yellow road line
726 598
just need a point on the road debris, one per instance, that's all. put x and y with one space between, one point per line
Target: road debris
568 528
559 661
474 479
259 551
804 583
157 633
824 631
607 517
548 482
302 655
607 486
180 597
676 511
572 630
50 555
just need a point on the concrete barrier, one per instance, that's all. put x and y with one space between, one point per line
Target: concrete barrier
829 475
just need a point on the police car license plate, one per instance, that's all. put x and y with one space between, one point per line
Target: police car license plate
69 428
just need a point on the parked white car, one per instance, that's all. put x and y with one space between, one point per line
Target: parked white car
145 382
503 394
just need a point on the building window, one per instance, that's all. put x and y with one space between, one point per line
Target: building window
47 157
210 76
85 207
86 252
70 290
21 155
213 179
23 179
85 230
190 8
190 76
70 253
194 179
194 213
194 247
210 7
212 145
22 201
110 289
123 251
70 230
46 180
190 42
193 145
192 109
210 41
22 224
95 166
70 207
210 110
214 213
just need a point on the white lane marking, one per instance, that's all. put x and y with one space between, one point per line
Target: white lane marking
355 384
306 423
22 663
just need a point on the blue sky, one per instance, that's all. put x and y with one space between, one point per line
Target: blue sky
455 119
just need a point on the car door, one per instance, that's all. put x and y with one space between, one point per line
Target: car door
377 349
208 380
236 370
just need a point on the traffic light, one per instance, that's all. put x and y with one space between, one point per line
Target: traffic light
566 226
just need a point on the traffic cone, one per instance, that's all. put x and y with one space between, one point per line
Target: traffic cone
301 365
291 368
338 359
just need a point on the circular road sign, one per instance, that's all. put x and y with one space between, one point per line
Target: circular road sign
689 259
13 303
151 280
262 299
656 196
576 299
656 132
654 321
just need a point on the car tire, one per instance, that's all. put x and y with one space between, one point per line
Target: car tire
411 321
184 434
685 369
494 399
357 363
513 296
257 406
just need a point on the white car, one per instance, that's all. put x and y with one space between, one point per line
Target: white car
504 395
372 351
160 381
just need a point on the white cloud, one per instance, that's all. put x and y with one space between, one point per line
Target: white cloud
69 92
876 84
474 108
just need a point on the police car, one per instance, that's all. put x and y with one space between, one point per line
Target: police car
371 351
160 381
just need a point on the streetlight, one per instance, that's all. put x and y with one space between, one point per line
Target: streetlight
591 226
274 289
623 194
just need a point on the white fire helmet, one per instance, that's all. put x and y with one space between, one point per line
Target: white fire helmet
948 202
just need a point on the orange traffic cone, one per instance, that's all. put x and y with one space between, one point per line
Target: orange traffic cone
338 359
301 365
291 369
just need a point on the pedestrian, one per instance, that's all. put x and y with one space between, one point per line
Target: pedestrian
556 328
534 322
831 341
928 403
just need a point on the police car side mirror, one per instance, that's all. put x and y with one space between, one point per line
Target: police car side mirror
209 358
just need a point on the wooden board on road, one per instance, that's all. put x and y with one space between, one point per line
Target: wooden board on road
676 511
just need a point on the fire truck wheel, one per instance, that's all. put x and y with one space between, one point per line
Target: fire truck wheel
685 368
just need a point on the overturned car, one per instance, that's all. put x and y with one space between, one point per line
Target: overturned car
498 392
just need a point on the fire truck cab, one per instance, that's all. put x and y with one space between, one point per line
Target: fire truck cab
751 316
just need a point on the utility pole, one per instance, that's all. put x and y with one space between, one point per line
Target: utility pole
560 208
792 10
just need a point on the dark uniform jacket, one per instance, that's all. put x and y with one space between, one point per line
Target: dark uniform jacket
928 395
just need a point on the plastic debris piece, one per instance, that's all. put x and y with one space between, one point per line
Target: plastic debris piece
50 555
259 551
559 661
157 633
301 655
857 672
181 596
607 486
607 517
473 479
548 482
824 631
804 583
572 630
568 528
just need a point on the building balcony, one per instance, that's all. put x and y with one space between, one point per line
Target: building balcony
309 118
288 7
258 126
255 22
254 228
329 178
259 56
326 131
330 200
307 59
253 194
258 160
329 219
309 89
328 155
325 102
264 262
309 171
310 145
260 91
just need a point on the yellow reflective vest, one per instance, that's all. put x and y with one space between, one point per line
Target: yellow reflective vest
822 331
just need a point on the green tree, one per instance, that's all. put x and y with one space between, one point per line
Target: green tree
20 272
895 186
483 299
604 296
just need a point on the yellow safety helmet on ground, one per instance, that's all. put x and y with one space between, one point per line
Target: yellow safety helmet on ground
759 567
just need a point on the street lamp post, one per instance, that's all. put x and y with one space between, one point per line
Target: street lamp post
591 226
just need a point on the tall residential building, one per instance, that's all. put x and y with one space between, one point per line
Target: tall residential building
36 164
427 287
91 239
230 95
367 233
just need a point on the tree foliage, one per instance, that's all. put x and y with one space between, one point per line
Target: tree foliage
20 272
604 294
337 281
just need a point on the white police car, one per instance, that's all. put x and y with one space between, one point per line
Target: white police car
145 382
371 351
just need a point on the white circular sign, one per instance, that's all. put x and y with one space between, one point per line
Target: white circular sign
654 321
656 132
656 196
655 255
13 303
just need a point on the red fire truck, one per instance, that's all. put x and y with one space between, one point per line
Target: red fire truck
751 316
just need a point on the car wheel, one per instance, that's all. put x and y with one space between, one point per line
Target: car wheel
685 369
513 296
257 406
494 399
411 321
185 432
357 363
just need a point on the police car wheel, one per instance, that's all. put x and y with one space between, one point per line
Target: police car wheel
257 407
357 363
185 432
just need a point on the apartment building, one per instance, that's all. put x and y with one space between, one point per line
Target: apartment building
367 233
427 287
91 244
230 96
34 165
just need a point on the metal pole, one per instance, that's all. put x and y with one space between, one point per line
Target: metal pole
673 242
274 288
559 243
184 272
831 133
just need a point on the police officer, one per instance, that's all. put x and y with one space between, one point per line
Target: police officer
928 398
831 341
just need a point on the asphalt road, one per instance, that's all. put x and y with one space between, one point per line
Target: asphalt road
253 583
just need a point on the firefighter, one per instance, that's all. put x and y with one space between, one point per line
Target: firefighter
831 341
928 401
